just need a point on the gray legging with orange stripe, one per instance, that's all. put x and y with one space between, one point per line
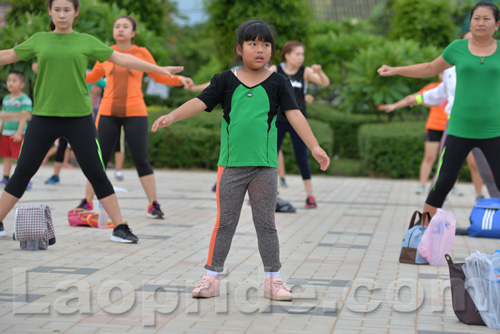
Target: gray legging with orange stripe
232 184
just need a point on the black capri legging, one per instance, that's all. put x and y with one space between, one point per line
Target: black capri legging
299 148
42 131
455 151
136 134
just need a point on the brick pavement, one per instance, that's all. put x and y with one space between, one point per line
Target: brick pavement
341 259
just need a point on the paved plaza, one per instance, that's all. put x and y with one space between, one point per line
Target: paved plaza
341 260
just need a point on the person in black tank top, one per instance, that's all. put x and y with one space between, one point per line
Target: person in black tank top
292 58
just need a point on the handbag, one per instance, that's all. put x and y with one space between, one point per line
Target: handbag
438 238
82 217
412 239
485 218
463 305
33 227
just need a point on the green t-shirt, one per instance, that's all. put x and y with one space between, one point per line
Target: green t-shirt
21 103
476 110
60 88
249 134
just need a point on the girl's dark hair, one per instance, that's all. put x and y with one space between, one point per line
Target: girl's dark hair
132 20
289 47
255 30
487 4
76 5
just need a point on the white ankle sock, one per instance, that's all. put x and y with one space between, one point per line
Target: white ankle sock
275 274
210 272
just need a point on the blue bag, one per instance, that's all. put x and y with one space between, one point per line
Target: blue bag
485 218
412 239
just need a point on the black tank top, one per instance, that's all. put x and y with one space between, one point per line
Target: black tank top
299 88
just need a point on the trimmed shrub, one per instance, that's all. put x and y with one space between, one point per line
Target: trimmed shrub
395 150
344 127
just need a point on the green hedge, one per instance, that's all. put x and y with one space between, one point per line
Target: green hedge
345 128
395 150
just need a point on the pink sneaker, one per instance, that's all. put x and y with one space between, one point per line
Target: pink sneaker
276 289
209 286
311 203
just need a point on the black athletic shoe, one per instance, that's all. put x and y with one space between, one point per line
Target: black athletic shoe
123 233
2 231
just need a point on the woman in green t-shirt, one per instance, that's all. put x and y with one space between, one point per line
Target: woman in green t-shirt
63 109
475 117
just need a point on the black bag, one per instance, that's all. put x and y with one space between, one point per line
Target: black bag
463 306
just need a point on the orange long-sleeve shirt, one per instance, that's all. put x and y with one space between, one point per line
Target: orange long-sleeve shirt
123 94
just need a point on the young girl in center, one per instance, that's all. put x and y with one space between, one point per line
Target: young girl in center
250 97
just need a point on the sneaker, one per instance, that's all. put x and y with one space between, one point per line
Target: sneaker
2 231
4 181
420 190
283 183
456 191
54 179
214 188
276 289
85 205
29 186
479 197
154 211
311 203
208 286
123 233
119 175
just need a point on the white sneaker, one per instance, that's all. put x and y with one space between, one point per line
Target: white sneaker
119 175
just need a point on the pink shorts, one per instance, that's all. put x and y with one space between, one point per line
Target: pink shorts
8 148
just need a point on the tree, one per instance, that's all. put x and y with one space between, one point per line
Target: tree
426 21
290 18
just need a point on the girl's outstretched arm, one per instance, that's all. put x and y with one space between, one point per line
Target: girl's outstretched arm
8 57
300 125
423 70
188 109
134 63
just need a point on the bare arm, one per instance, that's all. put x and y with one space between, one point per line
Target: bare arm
8 57
199 88
424 70
5 116
300 125
134 63
405 102
315 74
18 136
188 109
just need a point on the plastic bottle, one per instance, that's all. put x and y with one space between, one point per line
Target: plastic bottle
103 217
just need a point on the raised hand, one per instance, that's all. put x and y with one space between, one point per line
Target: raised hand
386 71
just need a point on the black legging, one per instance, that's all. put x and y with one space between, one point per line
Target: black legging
299 148
41 133
136 134
61 150
454 153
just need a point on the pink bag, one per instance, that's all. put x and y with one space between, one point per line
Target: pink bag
439 238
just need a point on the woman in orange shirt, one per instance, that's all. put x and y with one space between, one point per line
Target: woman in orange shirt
123 105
